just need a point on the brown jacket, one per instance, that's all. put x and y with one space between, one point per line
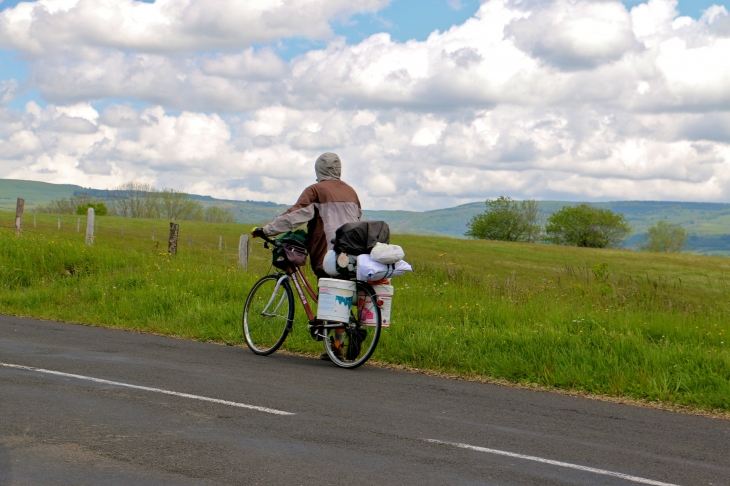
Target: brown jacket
324 206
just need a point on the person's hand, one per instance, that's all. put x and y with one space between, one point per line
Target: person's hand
258 233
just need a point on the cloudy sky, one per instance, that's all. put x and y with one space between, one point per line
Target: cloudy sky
429 103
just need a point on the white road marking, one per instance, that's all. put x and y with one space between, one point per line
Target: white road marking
627 477
147 388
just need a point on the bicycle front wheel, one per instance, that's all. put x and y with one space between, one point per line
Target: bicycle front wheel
351 344
268 314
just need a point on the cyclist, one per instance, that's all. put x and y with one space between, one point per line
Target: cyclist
324 206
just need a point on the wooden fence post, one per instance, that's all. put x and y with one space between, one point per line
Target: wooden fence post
190 241
34 221
172 244
59 224
19 207
153 234
220 242
78 225
90 226
243 252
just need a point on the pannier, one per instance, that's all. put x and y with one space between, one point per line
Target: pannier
360 237
293 249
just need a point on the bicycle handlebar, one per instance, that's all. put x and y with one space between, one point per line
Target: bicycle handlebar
270 240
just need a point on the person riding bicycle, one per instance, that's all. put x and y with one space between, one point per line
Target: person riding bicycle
324 206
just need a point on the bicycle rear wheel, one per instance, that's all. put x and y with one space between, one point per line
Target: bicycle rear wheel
268 314
351 344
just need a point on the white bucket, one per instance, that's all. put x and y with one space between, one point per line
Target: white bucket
365 305
335 299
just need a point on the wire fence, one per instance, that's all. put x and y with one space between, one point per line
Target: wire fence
196 244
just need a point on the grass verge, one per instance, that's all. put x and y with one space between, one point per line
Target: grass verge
649 327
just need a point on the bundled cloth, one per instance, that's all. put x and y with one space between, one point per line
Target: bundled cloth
387 254
369 270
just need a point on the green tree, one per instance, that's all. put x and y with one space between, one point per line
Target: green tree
214 214
178 206
506 220
588 226
100 208
666 237
137 200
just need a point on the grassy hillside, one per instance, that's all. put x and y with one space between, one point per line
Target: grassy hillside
619 323
34 193
707 223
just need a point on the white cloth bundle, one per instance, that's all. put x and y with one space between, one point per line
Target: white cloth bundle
387 254
370 270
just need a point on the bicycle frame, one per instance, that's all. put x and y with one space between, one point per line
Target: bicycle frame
294 274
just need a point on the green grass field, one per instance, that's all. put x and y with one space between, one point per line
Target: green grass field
617 323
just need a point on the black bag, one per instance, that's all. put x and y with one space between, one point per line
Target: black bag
360 237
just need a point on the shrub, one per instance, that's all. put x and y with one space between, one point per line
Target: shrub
214 214
665 237
100 208
506 220
587 226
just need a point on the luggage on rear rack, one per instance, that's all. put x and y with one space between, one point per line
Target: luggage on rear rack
360 237
370 270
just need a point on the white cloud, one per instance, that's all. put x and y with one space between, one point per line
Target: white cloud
524 152
559 54
8 90
248 64
653 18
546 99
47 26
575 35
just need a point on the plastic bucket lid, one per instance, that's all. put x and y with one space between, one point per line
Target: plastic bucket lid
336 283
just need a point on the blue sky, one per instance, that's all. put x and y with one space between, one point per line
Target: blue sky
416 19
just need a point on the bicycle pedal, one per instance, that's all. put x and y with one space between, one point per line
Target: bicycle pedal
316 332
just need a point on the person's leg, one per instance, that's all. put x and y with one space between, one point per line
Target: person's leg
321 274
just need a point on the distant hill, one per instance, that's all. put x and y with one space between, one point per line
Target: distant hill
41 193
707 223
34 193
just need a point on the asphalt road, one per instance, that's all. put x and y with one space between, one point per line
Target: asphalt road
367 426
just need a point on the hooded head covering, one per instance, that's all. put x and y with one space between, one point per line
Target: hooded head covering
328 167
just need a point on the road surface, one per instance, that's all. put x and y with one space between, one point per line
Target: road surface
85 405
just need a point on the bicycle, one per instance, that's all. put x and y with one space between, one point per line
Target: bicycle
268 316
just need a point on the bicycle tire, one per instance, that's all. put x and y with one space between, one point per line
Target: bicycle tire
356 349
265 334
